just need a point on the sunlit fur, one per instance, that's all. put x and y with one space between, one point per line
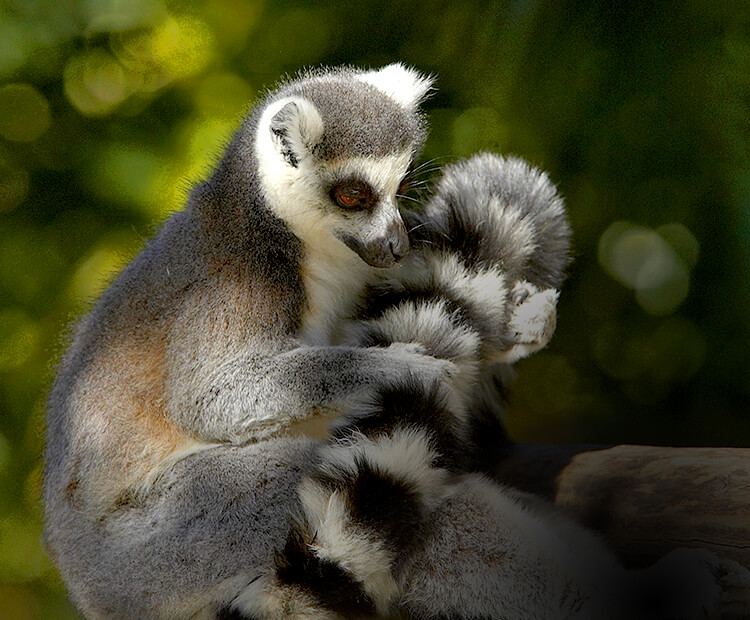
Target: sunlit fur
216 334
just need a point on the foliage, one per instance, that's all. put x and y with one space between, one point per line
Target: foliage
109 109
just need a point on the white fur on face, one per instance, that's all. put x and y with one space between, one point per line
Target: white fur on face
403 84
384 175
332 273
292 193
297 194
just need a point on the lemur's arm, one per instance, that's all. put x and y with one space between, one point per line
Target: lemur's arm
232 377
255 396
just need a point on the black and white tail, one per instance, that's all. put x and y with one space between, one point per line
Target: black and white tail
365 508
479 286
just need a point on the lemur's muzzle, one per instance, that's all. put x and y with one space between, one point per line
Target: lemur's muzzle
384 251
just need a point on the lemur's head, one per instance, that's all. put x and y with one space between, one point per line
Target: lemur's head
333 150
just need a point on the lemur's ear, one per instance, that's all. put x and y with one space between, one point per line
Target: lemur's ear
404 84
296 128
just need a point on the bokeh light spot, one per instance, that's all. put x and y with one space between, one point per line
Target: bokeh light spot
14 45
24 113
19 338
182 46
641 259
95 82
683 242
665 298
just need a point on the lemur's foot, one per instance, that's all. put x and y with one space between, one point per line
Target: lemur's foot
532 322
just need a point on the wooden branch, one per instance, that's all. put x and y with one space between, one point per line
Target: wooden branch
645 500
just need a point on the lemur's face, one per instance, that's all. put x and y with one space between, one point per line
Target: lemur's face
363 204
334 154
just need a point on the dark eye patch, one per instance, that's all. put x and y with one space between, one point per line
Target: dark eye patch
353 195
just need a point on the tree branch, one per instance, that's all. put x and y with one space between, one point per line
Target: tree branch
646 500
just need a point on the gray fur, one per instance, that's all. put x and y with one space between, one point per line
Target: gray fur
462 546
362 121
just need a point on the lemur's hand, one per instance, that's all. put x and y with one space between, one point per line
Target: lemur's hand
532 321
413 357
534 317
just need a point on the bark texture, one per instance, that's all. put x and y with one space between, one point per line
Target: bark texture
646 500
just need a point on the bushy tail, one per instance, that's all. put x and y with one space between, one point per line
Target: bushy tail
498 211
365 508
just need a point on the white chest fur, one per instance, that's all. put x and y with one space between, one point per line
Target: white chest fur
334 277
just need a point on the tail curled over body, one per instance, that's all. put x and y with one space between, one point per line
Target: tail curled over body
482 272
480 287
495 211
489 252
366 507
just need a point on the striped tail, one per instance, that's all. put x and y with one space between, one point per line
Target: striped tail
365 508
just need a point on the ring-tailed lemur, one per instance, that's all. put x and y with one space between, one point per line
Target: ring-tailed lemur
218 330
165 496
393 523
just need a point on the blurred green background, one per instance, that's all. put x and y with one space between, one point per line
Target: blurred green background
110 109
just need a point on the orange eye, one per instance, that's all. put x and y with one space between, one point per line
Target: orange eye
352 194
348 200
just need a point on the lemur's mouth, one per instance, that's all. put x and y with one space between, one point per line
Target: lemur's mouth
383 253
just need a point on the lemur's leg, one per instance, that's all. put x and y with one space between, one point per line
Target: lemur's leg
207 526
494 553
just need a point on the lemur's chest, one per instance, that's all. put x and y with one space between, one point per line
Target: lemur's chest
333 277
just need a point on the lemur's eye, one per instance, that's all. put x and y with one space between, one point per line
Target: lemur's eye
348 199
352 195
